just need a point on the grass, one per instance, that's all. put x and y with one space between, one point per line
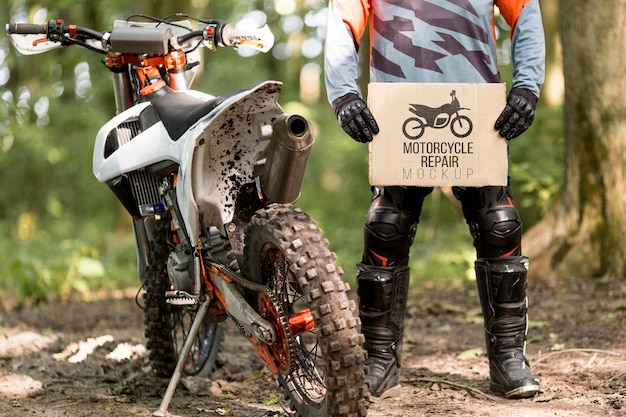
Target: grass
45 267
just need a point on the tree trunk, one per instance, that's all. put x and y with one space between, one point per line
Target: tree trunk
585 235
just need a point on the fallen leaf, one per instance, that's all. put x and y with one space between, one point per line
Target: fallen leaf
222 411
271 400
470 354
556 347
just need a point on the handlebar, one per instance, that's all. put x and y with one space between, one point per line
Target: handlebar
26 29
55 30
216 33
55 34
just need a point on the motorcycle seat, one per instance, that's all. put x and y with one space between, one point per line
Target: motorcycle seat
179 111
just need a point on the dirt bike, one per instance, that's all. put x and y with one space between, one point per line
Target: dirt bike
210 184
438 118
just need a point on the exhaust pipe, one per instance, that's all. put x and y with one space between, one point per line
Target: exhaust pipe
287 157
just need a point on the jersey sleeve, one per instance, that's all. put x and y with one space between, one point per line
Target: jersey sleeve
527 42
347 20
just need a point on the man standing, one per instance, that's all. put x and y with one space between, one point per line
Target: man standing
438 41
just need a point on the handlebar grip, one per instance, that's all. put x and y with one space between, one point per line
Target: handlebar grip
26 29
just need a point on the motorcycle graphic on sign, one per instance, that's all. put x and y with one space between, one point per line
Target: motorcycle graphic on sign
441 117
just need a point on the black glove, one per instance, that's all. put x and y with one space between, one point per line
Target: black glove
355 118
518 114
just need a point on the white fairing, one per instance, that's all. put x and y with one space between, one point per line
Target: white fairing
216 156
149 147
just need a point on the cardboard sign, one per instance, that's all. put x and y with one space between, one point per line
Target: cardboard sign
437 135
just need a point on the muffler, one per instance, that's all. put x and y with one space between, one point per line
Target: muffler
287 157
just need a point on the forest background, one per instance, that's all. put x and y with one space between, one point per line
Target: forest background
65 235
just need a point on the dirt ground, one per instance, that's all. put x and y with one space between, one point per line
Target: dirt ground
88 359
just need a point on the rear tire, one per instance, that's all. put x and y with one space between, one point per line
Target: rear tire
461 126
284 249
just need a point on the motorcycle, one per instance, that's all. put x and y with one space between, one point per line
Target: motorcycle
438 118
210 183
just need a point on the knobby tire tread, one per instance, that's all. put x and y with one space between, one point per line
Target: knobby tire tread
163 322
313 264
157 313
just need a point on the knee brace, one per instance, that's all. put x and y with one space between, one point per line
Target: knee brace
494 222
390 226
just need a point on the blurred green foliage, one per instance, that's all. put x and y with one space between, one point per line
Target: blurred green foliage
66 235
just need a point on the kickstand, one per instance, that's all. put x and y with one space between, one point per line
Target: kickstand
193 332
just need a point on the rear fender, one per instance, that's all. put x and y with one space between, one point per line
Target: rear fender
228 146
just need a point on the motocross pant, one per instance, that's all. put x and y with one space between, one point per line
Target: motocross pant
394 214
388 235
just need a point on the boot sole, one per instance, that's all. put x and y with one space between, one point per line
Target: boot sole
525 391
390 393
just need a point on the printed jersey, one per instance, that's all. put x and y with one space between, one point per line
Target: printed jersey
432 41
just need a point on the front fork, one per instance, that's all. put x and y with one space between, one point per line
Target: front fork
122 90
143 232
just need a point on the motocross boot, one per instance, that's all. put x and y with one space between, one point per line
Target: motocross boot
502 291
382 302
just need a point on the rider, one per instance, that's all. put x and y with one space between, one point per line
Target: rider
443 41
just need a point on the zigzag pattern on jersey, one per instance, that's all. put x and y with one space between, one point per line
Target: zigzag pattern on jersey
397 31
